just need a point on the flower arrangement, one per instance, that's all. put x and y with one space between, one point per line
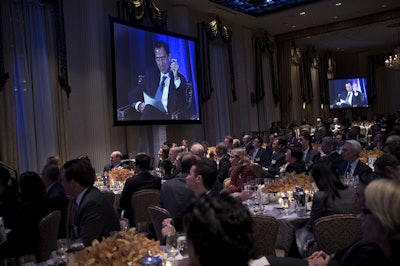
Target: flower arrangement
289 183
120 174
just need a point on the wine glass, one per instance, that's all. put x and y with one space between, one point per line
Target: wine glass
124 224
76 245
171 243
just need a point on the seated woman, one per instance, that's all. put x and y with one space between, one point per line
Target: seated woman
333 197
219 231
294 161
241 171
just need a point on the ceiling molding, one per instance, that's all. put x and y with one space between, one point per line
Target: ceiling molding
341 25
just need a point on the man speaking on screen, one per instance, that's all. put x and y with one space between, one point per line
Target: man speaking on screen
352 97
161 93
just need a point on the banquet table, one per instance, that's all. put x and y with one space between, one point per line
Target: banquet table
289 221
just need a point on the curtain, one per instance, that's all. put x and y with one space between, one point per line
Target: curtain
33 71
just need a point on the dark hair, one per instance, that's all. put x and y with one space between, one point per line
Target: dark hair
330 142
187 161
4 176
260 140
207 168
327 180
368 177
306 136
296 152
80 170
32 187
160 44
51 171
220 229
165 150
143 161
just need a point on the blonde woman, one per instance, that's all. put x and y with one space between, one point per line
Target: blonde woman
241 171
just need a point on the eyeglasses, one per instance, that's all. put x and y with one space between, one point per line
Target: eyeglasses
366 211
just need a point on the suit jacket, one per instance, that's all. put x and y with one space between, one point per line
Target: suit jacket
58 201
298 167
358 253
175 197
359 169
277 160
334 158
357 99
262 157
342 204
311 157
223 168
95 218
109 167
140 181
149 84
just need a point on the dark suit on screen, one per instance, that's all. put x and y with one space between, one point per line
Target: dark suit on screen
357 99
149 84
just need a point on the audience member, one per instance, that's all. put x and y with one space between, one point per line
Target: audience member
351 154
198 150
388 165
202 176
174 195
247 142
241 171
224 163
8 198
185 145
164 164
141 180
228 140
219 232
392 147
24 236
94 217
355 134
54 159
330 154
378 142
340 140
55 193
115 159
332 197
173 153
258 154
236 143
335 125
310 156
380 218
277 158
294 161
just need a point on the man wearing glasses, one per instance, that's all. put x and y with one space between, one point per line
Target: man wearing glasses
161 93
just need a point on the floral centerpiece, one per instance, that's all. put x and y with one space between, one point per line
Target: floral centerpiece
369 156
124 248
117 177
289 182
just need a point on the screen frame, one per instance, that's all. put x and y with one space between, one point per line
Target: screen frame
146 55
333 91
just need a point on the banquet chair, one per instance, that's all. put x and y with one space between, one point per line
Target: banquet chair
140 201
265 231
334 232
110 196
48 233
157 215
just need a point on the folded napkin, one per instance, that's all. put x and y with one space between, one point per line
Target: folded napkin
259 262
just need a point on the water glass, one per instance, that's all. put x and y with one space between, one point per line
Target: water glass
124 224
171 242
76 245
27 260
62 248
8 262
182 245
142 228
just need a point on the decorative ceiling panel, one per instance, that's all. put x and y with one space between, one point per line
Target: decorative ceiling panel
259 8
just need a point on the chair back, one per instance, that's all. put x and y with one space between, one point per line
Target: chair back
157 215
110 196
68 215
48 233
265 231
140 201
334 232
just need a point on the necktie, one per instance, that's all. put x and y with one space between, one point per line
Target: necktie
160 88
348 98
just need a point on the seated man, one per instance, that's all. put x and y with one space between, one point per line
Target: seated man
115 162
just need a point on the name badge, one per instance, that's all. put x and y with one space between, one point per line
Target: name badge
273 161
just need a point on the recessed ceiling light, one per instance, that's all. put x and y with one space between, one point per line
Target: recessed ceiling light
384 5
335 17
293 26
338 4
302 13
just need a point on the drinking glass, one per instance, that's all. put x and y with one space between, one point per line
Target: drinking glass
62 248
8 262
76 245
171 242
142 228
182 245
27 260
124 223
